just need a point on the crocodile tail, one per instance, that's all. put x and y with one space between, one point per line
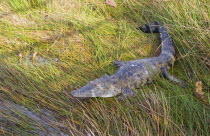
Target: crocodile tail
166 41
150 28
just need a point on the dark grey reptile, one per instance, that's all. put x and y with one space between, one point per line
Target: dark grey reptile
135 73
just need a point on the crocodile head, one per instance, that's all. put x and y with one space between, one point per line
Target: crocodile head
150 28
101 87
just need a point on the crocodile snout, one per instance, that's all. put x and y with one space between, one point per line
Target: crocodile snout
74 93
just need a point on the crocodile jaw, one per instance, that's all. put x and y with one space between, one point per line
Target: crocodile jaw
77 93
95 92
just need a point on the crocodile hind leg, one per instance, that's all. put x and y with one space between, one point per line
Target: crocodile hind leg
126 93
119 63
167 75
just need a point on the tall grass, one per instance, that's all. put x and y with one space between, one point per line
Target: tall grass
77 42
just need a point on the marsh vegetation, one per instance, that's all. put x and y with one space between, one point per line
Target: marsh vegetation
50 47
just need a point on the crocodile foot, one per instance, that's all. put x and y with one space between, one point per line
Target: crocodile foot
119 63
167 75
126 93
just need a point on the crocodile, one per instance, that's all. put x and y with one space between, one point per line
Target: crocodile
135 73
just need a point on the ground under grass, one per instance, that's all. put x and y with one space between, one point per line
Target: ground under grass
50 47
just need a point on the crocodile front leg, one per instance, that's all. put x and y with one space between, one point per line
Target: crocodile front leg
168 76
126 93
119 63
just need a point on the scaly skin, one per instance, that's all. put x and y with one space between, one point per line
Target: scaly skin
135 73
